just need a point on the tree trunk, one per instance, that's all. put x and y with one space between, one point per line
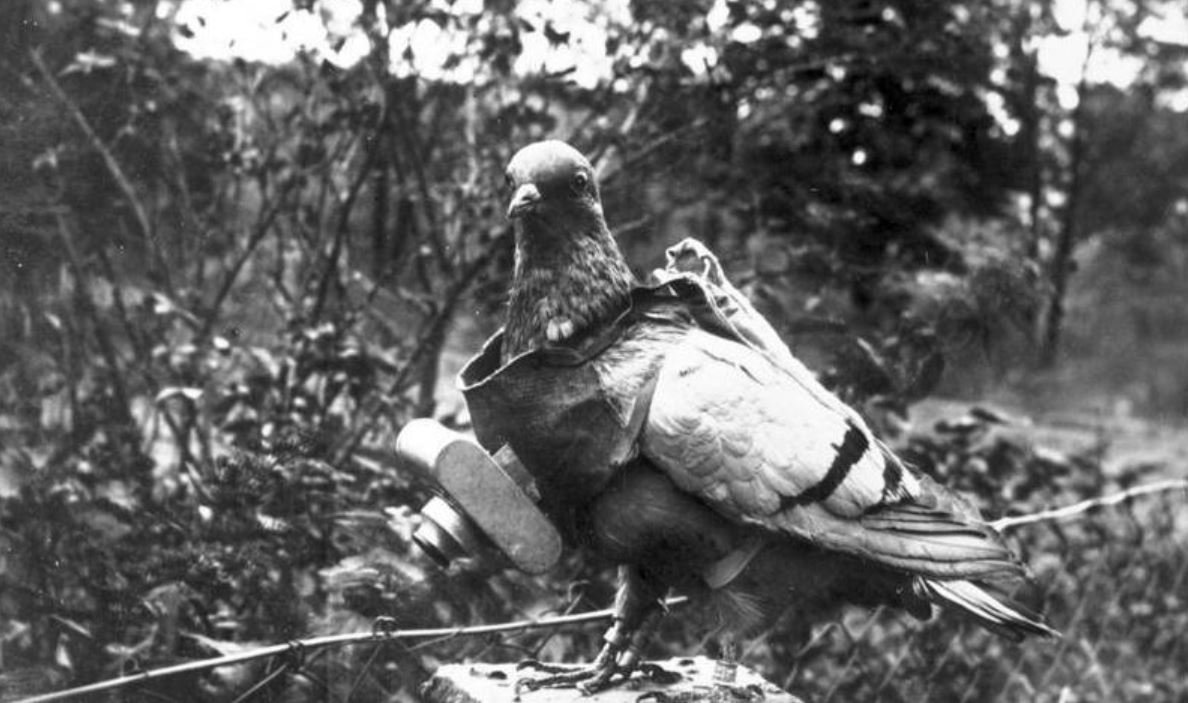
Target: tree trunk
1031 129
1061 265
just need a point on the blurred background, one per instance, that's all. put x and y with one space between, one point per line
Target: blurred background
242 243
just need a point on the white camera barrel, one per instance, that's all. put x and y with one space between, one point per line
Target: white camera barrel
495 494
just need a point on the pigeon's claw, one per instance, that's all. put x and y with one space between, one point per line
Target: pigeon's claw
587 679
618 660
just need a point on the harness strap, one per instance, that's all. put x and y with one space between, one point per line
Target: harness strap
723 571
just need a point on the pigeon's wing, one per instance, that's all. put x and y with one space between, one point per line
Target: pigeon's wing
763 443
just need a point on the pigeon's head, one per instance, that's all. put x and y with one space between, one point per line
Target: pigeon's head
551 182
569 273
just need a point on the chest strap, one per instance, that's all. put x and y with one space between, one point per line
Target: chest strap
723 571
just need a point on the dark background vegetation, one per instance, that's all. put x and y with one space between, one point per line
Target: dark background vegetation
225 285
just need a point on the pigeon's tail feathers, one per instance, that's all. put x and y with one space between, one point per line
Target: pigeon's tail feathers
1000 616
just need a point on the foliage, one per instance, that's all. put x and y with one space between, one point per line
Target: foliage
1109 582
228 284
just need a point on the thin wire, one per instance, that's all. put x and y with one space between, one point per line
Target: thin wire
364 670
262 683
446 633
1084 506
375 635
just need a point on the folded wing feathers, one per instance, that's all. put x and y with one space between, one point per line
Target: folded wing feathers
892 519
770 446
917 526
916 535
941 556
1008 619
862 500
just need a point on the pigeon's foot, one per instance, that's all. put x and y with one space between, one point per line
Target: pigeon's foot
605 672
618 660
587 679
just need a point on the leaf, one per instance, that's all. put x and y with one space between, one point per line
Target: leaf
222 648
56 411
104 524
351 571
73 627
267 361
119 493
927 377
992 415
191 394
273 524
87 61
164 306
15 468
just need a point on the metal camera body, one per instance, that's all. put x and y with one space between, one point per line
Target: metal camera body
489 501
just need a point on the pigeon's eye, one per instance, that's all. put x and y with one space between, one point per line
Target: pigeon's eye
508 181
580 181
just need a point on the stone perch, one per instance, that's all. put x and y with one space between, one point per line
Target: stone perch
495 683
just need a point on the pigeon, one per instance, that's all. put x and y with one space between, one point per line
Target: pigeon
746 484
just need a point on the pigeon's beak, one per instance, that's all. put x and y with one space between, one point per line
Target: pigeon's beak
525 198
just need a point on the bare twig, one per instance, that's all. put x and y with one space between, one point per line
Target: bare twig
190 247
89 311
608 174
417 157
135 336
109 160
445 310
260 230
433 329
346 206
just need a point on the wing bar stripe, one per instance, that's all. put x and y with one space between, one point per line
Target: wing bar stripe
892 475
853 447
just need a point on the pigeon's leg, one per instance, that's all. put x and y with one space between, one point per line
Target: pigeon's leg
638 610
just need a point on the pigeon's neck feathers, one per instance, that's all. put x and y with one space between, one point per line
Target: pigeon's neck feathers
569 277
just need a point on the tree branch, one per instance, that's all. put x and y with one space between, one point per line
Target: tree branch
344 215
263 224
433 329
109 160
87 306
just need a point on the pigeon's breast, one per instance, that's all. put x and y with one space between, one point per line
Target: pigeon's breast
572 418
574 413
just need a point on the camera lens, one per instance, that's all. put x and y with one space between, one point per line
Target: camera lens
445 534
